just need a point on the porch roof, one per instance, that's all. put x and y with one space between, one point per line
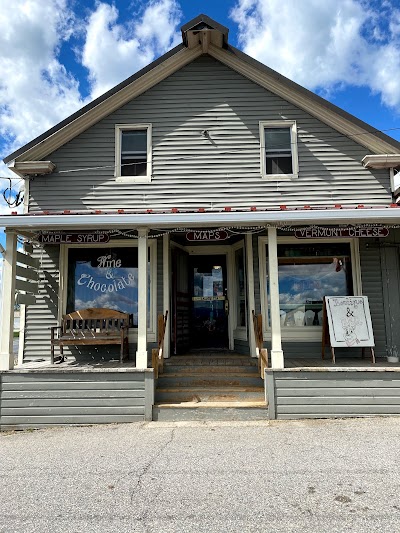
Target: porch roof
389 214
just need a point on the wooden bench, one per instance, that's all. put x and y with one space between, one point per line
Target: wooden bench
92 327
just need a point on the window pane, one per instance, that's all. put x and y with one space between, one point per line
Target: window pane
134 141
133 153
133 166
279 165
104 278
277 139
307 273
278 151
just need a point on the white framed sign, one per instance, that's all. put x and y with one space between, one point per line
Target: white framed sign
349 321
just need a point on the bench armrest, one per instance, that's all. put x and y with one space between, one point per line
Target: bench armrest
53 330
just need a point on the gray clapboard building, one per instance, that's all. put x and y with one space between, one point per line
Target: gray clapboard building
210 187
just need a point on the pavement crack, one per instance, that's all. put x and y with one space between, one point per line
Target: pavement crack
147 467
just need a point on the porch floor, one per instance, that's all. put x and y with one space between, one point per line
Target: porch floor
211 358
341 363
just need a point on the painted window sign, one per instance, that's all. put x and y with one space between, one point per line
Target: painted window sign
349 321
104 278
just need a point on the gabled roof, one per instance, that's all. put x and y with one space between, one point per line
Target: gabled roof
196 41
202 22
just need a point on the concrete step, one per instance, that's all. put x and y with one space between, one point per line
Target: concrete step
209 411
209 379
209 394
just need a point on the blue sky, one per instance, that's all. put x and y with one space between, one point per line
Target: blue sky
57 55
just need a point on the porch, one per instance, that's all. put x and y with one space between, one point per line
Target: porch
37 394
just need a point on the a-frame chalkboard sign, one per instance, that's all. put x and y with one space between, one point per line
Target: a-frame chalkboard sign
347 324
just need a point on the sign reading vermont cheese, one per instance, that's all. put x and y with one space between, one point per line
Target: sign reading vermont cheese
349 320
338 233
73 238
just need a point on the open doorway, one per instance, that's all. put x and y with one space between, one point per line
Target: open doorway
209 309
200 302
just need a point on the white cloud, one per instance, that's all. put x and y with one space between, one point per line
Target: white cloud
325 44
112 51
36 91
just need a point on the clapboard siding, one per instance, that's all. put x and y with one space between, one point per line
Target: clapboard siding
189 171
44 314
372 280
329 394
40 399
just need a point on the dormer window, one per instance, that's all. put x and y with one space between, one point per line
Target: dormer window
133 153
278 149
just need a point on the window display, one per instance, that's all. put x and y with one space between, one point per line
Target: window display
104 278
307 273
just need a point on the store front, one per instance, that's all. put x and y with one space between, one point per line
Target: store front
208 294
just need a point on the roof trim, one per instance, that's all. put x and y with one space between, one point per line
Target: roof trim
379 215
178 57
213 24
381 161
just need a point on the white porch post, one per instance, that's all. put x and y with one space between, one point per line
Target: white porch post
141 353
277 360
8 302
167 292
250 293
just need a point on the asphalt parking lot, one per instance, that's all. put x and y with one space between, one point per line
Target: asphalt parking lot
306 476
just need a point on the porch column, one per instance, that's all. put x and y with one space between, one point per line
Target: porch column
250 293
276 341
141 353
167 292
8 302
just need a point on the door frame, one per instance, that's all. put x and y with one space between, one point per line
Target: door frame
230 285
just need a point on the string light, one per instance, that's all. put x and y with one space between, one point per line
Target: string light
233 230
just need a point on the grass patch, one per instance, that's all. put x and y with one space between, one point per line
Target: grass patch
16 334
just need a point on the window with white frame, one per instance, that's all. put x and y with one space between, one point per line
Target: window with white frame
133 153
107 277
278 149
307 272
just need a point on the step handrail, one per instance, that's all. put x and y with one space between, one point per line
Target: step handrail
262 353
157 354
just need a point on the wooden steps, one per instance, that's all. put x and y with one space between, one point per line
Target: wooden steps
214 387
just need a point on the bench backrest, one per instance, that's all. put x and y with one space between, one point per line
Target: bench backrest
101 320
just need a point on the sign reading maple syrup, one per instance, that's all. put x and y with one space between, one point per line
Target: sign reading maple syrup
73 238
207 235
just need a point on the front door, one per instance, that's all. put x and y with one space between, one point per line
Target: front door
209 310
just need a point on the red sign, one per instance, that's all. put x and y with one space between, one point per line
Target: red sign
338 233
74 238
207 235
